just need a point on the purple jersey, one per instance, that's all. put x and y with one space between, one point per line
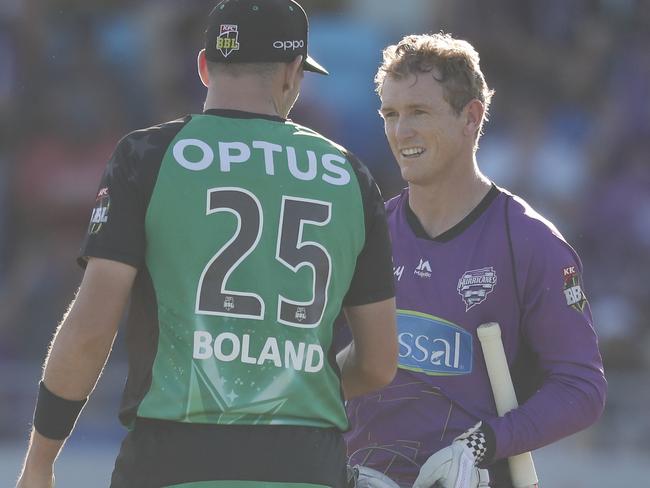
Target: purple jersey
503 263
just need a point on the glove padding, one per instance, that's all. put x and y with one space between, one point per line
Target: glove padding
453 467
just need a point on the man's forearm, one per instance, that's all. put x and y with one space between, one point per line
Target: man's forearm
369 362
343 362
77 356
355 379
563 406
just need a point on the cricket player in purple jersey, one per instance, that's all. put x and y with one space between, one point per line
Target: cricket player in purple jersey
466 252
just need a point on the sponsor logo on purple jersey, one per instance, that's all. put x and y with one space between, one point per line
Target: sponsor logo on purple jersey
433 346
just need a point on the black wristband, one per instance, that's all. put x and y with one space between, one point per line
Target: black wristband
54 416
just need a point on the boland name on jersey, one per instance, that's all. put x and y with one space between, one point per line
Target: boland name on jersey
228 347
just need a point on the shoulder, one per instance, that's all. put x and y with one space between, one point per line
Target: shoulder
527 223
143 146
393 203
341 155
315 137
526 217
344 156
533 235
154 137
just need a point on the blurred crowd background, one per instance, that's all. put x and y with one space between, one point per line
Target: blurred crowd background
569 131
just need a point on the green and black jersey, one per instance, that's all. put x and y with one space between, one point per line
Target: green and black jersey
250 233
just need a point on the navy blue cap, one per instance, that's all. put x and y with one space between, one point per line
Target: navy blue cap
258 31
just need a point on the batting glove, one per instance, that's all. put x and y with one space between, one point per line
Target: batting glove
456 466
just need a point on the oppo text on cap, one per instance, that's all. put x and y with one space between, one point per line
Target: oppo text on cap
293 45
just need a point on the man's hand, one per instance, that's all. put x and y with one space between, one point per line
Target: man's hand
455 466
78 353
369 362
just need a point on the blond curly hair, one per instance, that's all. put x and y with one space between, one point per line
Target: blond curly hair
454 63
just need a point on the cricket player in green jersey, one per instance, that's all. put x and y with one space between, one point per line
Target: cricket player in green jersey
236 237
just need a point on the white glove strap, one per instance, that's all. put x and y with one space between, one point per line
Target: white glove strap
465 469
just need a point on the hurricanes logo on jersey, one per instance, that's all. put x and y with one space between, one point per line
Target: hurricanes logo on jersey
228 40
475 285
99 215
573 293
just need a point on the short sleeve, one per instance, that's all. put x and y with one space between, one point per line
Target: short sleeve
116 227
373 276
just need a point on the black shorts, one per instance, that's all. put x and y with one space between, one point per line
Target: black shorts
159 454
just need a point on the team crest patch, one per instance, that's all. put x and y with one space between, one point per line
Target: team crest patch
228 40
99 215
475 285
573 293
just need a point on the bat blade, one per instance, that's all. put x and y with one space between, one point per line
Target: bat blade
522 468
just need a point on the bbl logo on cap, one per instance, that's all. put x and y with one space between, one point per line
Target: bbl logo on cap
227 41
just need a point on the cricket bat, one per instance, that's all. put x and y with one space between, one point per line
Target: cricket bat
522 468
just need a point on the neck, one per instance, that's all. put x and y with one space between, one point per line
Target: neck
241 93
443 203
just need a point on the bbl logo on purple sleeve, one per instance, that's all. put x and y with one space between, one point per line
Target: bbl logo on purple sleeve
433 346
475 285
573 293
228 40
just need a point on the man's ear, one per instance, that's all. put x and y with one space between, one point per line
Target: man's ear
202 65
294 73
474 111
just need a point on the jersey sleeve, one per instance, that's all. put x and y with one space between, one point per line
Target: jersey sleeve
557 329
116 228
373 275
